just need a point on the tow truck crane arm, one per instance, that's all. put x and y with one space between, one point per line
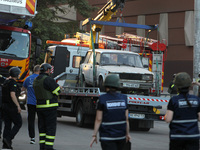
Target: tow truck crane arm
105 14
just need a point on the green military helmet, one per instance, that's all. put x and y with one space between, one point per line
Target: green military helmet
182 80
112 80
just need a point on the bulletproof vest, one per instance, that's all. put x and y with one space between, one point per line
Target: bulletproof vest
40 92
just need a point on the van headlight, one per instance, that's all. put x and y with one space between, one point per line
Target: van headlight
147 77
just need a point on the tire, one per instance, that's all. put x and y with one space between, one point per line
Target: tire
144 129
101 86
134 126
80 117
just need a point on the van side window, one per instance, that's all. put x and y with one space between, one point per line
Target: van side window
48 57
98 58
76 61
91 59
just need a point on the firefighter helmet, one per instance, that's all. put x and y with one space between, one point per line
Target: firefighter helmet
182 80
14 72
112 81
44 67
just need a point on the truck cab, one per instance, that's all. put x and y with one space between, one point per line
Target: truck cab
14 50
65 61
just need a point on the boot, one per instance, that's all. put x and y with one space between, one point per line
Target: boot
7 143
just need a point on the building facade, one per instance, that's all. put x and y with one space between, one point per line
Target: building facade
176 28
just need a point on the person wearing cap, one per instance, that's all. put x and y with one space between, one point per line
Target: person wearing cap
111 117
183 114
11 107
46 92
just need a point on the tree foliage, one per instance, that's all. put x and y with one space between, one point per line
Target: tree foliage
45 26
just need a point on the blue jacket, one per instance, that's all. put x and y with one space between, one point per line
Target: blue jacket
28 84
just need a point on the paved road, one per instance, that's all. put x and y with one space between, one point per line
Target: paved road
71 137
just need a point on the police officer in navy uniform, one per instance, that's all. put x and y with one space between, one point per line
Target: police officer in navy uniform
11 107
111 117
46 92
183 113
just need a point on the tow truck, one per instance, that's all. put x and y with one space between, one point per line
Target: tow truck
80 102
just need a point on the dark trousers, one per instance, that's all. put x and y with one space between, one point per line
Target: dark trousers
113 145
184 144
31 120
1 119
47 128
11 116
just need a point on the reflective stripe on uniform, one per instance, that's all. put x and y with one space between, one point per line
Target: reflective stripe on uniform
172 86
47 105
112 138
113 123
42 141
50 137
184 121
185 136
56 91
42 134
49 143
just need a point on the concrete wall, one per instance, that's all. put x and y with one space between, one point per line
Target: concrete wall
70 14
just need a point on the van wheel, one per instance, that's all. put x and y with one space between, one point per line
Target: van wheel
80 117
134 126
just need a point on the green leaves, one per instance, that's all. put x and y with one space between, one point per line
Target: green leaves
45 26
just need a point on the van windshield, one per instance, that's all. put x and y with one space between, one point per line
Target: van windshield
125 59
14 44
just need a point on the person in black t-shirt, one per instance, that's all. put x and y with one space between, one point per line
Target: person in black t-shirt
11 108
